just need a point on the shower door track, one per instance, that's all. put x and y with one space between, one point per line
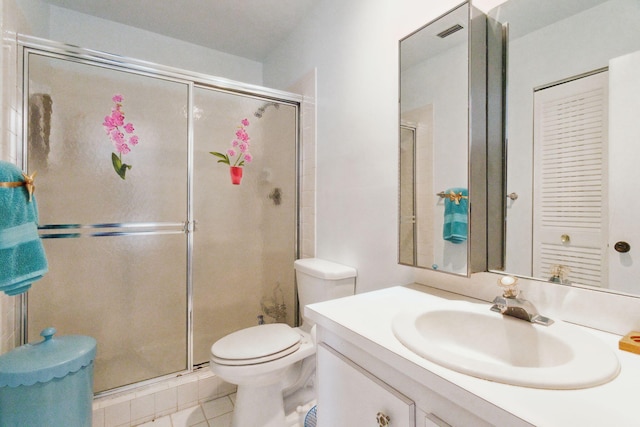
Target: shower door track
34 45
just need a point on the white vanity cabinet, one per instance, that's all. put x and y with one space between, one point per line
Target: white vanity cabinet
353 391
364 369
348 395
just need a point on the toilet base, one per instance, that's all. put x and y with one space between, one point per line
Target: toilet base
259 406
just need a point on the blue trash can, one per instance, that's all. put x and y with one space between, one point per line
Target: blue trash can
49 383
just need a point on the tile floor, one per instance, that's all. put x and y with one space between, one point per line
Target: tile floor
214 413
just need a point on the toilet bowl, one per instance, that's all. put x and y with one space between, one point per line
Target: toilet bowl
273 365
262 370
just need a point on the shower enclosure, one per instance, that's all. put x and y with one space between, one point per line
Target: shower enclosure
152 250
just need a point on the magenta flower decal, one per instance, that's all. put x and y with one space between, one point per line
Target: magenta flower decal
120 134
239 147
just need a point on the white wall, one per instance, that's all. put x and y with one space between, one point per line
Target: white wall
66 26
624 152
354 47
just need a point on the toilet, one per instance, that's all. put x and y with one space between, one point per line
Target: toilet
273 365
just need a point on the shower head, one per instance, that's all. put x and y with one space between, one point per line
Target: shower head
261 110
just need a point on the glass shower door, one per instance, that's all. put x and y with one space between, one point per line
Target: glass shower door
245 234
110 148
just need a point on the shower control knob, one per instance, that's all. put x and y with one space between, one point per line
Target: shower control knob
622 247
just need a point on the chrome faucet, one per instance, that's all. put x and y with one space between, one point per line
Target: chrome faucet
510 305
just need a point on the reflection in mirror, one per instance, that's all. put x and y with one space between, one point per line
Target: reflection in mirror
572 126
408 227
434 88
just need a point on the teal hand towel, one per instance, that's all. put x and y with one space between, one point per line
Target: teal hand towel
22 256
456 217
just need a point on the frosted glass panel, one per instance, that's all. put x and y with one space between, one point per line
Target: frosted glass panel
70 149
244 244
128 292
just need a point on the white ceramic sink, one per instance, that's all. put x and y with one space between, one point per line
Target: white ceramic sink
471 339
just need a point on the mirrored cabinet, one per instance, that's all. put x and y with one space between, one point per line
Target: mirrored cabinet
443 143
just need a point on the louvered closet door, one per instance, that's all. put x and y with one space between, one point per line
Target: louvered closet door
570 176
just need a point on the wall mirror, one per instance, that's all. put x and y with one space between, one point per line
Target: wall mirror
572 141
442 75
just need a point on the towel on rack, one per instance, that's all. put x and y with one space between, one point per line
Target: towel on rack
22 257
456 217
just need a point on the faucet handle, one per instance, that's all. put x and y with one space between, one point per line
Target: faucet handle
509 285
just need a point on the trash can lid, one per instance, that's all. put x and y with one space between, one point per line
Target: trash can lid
45 360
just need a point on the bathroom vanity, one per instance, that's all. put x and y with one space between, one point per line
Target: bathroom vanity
366 375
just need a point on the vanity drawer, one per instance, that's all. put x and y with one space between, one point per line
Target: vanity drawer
348 395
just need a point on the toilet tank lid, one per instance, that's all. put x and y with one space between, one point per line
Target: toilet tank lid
324 269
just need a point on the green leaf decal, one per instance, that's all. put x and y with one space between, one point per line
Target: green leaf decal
223 157
118 166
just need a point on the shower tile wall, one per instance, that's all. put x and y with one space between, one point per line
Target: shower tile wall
159 400
306 86
8 116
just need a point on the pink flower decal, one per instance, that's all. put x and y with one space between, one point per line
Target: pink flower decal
241 142
123 148
242 135
114 125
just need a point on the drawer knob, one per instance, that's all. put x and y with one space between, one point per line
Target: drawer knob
383 420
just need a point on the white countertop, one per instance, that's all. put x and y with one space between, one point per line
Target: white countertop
365 319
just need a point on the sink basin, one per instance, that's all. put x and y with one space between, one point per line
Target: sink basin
471 339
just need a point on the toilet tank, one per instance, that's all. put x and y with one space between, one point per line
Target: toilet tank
320 280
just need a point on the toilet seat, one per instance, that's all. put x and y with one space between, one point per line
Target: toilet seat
255 345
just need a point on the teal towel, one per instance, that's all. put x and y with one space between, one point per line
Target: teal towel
22 257
456 217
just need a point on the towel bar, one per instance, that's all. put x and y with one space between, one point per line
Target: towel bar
454 197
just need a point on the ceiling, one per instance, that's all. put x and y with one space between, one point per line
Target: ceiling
246 28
